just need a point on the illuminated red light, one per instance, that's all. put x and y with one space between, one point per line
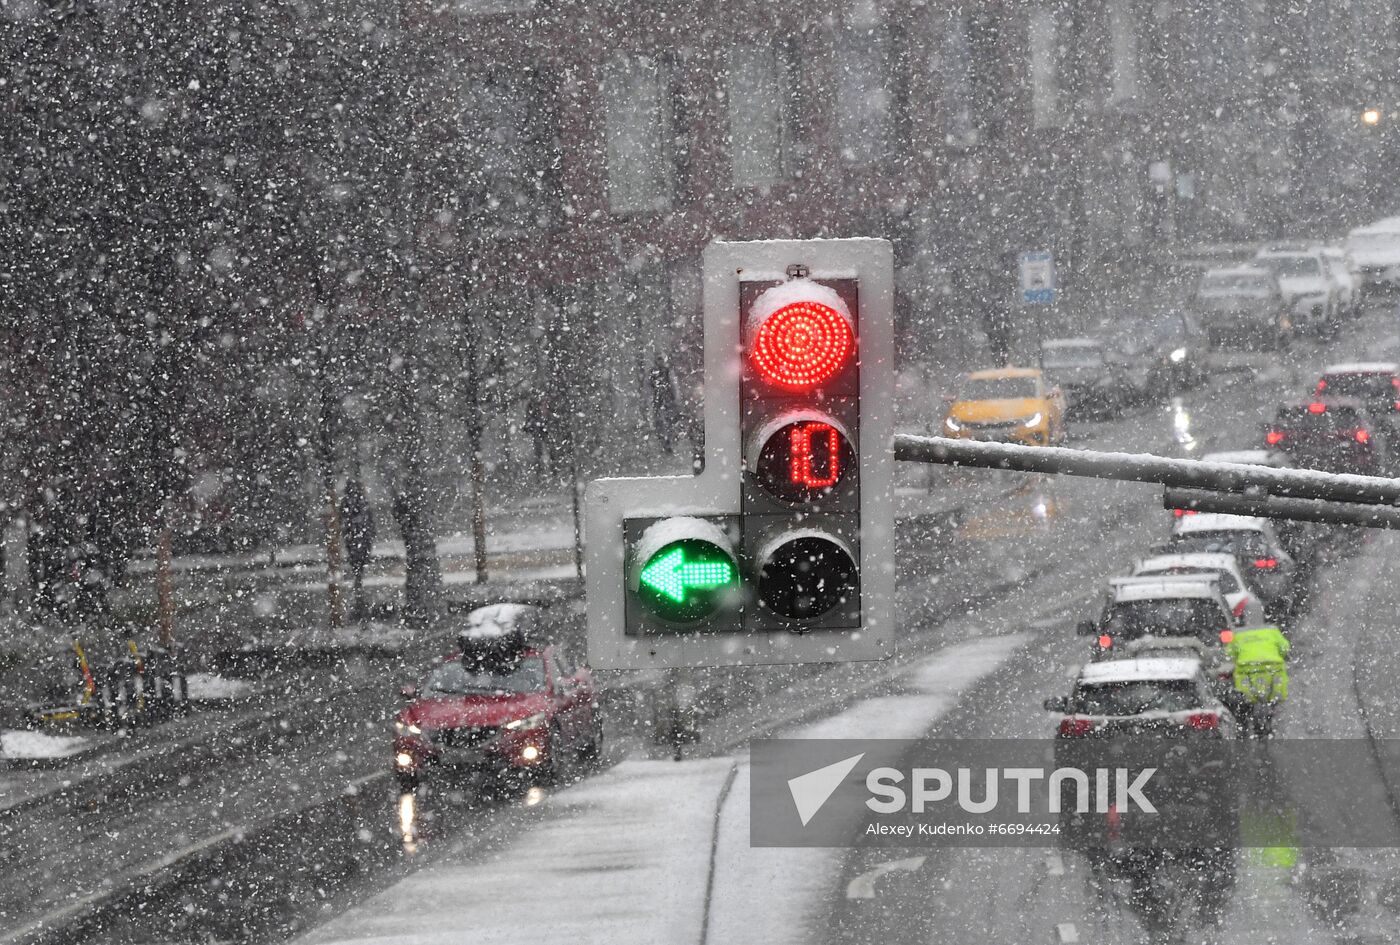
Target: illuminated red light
1322 385
1074 728
1363 436
1203 721
1395 382
803 463
1105 642
1227 635
802 344
1266 564
1273 437
1238 611
1316 407
1180 513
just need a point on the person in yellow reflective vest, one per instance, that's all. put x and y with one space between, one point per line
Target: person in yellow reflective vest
1261 675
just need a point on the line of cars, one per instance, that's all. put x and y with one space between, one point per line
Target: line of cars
1286 289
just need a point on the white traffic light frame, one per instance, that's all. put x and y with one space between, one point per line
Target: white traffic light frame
717 490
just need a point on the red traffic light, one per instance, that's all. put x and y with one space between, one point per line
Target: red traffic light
804 340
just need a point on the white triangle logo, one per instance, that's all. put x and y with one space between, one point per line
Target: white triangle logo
811 790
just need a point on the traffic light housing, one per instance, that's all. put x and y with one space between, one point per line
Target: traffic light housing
781 549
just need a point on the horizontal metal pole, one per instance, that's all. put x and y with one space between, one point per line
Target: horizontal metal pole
1302 510
1145 467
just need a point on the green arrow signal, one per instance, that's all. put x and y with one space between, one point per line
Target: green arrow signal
670 575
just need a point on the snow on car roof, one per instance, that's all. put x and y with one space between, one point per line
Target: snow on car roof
1284 253
1164 587
1362 367
1072 343
1218 522
1160 667
1250 458
994 374
496 620
1216 561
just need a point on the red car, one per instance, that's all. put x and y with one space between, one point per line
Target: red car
524 714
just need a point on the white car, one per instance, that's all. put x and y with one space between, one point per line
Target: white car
1273 572
1302 539
1242 305
1245 604
1150 696
1308 290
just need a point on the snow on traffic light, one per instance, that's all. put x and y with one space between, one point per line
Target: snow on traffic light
781 549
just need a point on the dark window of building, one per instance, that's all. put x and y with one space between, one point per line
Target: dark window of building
510 163
761 95
865 99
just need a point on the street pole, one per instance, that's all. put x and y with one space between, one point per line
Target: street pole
475 422
334 600
165 609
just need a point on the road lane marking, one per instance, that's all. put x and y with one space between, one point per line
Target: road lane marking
1067 932
863 886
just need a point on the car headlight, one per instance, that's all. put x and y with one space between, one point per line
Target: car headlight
530 721
952 424
407 728
1177 356
1032 421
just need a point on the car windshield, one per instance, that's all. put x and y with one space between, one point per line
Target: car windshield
1228 584
1198 618
1366 385
1293 267
452 678
997 388
1242 544
1136 697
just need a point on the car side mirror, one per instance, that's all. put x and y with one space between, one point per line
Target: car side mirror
1057 704
409 692
1085 628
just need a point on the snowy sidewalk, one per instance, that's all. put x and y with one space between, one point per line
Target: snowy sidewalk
626 857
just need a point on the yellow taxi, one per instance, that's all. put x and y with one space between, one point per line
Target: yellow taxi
1009 405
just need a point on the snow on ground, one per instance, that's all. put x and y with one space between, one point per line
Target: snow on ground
19 744
621 860
205 687
625 856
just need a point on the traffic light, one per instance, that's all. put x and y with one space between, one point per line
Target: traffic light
781 549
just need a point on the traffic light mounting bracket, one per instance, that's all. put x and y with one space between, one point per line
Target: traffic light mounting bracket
716 491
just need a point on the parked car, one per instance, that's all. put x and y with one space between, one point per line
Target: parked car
1015 405
1094 381
1312 297
1243 307
503 705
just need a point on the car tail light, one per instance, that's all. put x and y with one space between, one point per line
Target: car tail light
1238 609
1266 564
1316 407
1075 728
1395 382
1203 721
1322 385
1105 642
1227 634
1273 437
1362 436
1397 405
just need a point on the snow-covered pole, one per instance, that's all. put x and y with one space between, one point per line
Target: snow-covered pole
1270 506
1238 478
